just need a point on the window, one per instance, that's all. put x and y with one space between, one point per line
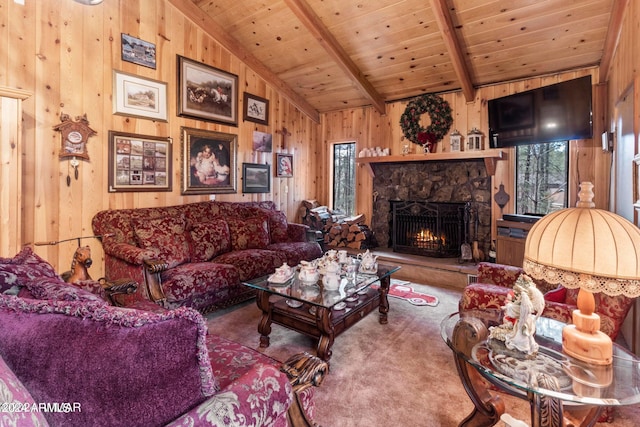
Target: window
344 177
542 173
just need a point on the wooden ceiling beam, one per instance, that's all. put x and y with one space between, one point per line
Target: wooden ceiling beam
313 23
209 26
445 23
612 38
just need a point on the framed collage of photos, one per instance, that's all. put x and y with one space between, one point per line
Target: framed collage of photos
139 163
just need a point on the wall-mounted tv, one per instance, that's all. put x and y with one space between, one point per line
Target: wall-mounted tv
558 112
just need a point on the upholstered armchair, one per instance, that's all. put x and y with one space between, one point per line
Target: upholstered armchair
495 281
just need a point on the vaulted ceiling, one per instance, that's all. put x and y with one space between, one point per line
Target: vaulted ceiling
327 55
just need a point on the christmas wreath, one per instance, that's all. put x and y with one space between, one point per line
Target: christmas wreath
440 113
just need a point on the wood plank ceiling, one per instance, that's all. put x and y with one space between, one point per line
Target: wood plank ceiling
328 55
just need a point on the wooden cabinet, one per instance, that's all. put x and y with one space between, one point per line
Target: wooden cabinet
510 242
11 170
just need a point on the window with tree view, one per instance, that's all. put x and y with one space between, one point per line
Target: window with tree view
344 177
542 172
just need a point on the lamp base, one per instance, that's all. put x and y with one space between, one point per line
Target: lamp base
595 347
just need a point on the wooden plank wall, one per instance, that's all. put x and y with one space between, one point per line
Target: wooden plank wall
64 53
624 77
370 129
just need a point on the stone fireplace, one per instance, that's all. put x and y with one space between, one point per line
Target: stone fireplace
457 184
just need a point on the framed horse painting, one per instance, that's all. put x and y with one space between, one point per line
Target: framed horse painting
207 93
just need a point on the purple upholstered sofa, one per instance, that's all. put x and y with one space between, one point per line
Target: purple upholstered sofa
198 254
68 358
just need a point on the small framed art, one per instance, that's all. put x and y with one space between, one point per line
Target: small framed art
256 109
207 93
255 178
139 162
138 51
284 165
262 141
139 97
208 161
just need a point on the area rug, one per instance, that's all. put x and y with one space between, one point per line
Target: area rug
403 290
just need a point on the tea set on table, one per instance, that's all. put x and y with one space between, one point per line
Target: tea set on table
333 266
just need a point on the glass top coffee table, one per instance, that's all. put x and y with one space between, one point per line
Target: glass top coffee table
557 386
311 309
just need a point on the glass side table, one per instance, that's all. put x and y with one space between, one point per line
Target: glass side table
558 387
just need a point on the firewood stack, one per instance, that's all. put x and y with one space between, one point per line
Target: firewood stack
338 230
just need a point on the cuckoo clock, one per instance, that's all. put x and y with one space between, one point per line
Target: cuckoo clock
75 134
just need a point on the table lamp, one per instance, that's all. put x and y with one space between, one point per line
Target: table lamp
590 249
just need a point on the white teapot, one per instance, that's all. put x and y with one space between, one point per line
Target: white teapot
309 271
331 281
368 261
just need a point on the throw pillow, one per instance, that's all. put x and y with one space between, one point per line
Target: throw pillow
277 225
25 265
121 366
209 239
166 235
249 233
16 402
56 289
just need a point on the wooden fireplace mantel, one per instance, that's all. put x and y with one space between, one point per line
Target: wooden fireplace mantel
490 156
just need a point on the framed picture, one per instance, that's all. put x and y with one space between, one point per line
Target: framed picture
256 109
255 178
138 51
262 141
208 161
284 165
138 97
139 162
207 93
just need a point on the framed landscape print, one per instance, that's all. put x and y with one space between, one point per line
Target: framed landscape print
256 109
255 178
207 93
284 165
208 161
262 141
138 97
139 162
138 51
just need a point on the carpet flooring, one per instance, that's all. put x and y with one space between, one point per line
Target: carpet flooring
399 374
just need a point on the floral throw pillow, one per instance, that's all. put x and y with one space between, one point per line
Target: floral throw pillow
166 235
209 239
249 233
26 265
277 225
56 289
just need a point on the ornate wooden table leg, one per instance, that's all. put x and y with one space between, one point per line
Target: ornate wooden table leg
264 327
327 333
385 283
487 408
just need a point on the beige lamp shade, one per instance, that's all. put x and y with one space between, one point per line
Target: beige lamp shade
587 248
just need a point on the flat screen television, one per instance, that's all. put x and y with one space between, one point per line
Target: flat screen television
558 112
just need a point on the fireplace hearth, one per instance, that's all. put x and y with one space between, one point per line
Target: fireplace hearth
428 228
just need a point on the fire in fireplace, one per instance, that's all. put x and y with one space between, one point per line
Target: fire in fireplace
428 228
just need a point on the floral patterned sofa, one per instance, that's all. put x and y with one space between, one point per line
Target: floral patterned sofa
495 281
69 358
198 254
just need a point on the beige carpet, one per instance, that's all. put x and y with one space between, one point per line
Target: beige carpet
399 374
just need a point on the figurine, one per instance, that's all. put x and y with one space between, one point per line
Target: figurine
521 311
